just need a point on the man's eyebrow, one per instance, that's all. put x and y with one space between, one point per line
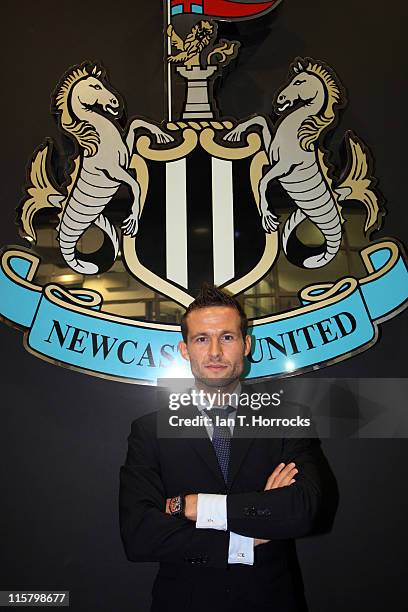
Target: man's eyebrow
224 331
199 334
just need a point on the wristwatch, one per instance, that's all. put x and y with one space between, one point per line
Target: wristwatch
177 505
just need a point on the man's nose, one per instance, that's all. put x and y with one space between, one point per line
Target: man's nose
215 348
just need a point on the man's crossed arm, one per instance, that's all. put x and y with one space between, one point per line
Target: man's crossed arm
279 511
282 476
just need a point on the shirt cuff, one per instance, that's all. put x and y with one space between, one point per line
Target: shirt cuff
211 511
241 549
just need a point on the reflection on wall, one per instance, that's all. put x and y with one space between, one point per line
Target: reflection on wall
123 295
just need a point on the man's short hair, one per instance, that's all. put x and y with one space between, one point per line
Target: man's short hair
210 295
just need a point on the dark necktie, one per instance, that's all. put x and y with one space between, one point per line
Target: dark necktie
221 439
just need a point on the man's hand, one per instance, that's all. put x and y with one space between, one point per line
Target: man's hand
282 476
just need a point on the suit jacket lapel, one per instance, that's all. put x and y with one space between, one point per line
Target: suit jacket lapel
204 448
241 441
200 443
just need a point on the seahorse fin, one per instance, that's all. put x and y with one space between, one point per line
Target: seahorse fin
41 193
358 182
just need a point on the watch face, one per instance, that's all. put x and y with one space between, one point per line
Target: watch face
175 505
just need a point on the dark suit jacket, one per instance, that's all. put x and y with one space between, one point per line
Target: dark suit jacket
194 573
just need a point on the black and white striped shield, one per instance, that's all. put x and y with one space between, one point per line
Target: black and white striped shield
200 219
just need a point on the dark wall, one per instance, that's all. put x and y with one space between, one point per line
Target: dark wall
63 434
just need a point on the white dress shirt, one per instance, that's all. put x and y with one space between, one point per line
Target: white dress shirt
212 508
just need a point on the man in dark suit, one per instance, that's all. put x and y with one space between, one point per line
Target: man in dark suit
219 510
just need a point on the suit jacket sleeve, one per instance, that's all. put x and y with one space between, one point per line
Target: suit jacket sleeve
148 533
288 512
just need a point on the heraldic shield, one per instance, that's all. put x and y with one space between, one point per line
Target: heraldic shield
200 216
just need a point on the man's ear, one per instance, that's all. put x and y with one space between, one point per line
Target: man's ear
247 345
182 346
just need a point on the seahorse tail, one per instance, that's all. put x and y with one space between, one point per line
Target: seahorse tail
315 202
330 226
74 224
76 219
291 224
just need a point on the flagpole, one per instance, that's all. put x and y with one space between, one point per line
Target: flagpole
169 92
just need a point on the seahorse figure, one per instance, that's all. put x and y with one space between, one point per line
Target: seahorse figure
87 111
307 108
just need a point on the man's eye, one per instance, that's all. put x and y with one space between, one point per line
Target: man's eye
201 339
228 337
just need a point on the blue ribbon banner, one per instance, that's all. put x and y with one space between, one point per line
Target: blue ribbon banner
333 321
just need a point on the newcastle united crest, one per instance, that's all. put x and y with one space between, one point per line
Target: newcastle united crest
201 197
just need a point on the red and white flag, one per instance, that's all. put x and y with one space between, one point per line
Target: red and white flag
222 9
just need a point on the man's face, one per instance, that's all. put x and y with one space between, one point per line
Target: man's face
215 346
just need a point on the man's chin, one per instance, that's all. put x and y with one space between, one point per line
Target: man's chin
216 380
